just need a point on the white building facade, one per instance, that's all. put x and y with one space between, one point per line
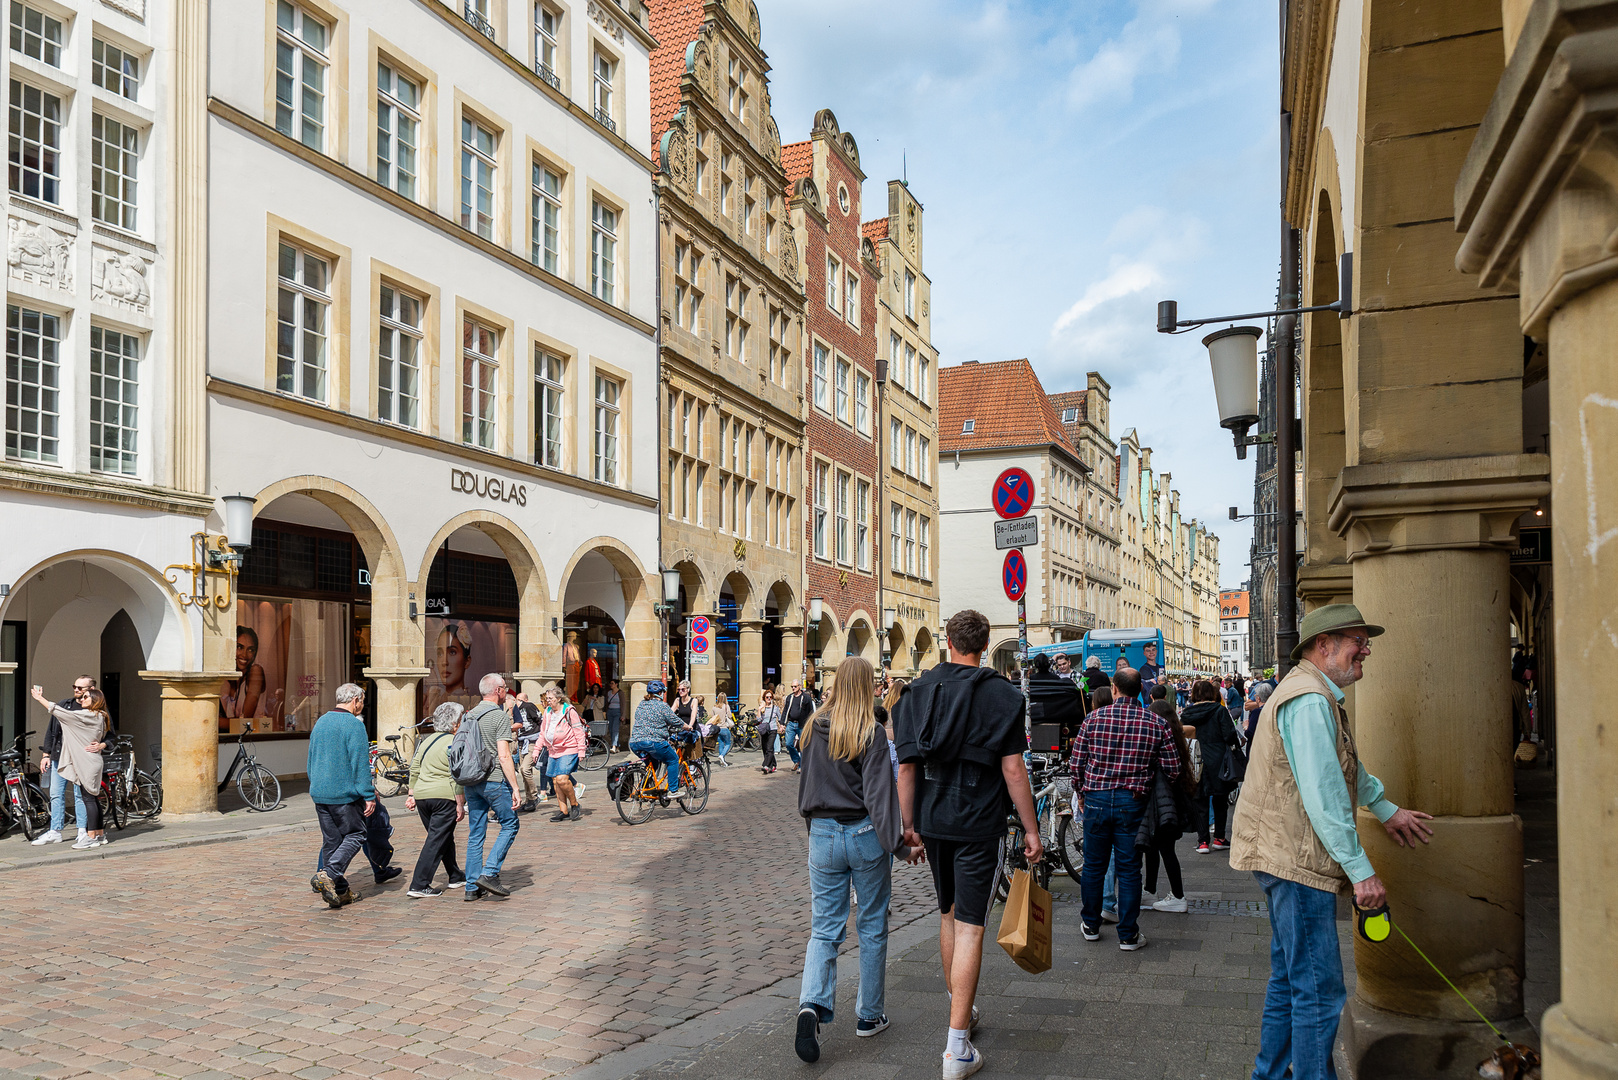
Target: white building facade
1233 631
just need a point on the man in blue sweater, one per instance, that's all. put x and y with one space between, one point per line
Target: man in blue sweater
340 787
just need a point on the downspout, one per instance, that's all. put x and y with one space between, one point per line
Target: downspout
657 344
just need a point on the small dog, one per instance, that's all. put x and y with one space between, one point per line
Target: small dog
1517 1061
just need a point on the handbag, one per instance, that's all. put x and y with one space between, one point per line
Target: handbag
1233 770
1025 926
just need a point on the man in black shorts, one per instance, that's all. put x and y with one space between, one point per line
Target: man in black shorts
959 735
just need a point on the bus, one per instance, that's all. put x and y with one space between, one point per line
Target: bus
1140 648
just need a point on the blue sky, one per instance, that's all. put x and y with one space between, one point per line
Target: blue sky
1078 162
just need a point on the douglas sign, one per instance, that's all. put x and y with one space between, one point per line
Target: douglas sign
487 487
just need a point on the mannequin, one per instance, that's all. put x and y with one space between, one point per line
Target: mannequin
571 665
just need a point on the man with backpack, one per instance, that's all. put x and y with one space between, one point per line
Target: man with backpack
480 761
960 740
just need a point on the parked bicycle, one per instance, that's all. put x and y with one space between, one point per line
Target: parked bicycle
745 734
257 785
142 793
25 805
638 787
114 764
596 754
390 767
1054 811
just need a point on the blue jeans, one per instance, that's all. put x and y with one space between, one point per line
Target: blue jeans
480 799
1110 821
614 720
840 855
1306 994
792 750
725 738
658 750
59 801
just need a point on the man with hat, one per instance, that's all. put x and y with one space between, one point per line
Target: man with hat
1295 831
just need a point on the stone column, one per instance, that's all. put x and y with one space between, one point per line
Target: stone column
751 685
396 699
1428 544
791 653
190 741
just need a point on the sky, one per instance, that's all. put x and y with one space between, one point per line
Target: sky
1078 161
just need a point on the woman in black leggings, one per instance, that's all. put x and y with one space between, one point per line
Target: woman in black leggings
84 734
1162 845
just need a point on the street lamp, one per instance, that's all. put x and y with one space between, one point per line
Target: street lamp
665 610
1233 355
811 617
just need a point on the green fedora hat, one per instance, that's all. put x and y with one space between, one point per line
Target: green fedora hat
1328 619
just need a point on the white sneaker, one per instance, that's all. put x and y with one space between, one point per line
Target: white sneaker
1108 915
82 843
578 789
1170 903
100 841
52 837
1133 946
957 1068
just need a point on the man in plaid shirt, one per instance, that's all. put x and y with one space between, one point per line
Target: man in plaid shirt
1118 750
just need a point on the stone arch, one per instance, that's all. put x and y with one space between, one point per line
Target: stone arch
925 649
534 645
825 120
1326 576
161 622
786 600
861 632
850 147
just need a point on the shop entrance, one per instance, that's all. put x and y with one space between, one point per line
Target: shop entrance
593 637
776 603
472 629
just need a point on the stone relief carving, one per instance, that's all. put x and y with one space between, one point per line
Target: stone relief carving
808 190
607 23
753 30
825 120
701 67
119 278
789 255
137 8
772 140
851 148
39 253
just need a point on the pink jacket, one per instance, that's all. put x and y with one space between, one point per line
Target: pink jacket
562 733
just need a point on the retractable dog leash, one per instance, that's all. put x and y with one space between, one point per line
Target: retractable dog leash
1376 925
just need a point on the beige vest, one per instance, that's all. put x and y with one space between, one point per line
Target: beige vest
1272 831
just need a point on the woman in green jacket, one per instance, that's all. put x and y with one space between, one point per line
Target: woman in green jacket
436 796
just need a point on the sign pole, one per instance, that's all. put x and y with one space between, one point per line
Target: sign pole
1022 659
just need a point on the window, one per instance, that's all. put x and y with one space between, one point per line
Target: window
737 97
303 307
822 359
895 351
862 403
851 299
114 154
910 542
924 458
821 476
479 371
34 151
778 349
910 366
33 381
910 294
842 392
114 409
685 427
896 538
478 145
300 75
736 326
862 524
547 28
1070 416
747 206
113 69
769 221
834 280
895 443
702 162
398 358
546 243
477 13
36 34
724 186
910 452
602 68
398 120
603 250
606 429
924 378
843 483
967 426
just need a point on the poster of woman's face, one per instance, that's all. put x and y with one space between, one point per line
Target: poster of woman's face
291 655
459 653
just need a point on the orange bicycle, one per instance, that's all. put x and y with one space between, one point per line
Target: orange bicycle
638 788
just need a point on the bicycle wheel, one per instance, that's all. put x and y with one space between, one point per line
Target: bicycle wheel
694 796
258 787
595 755
23 811
146 800
1011 860
633 807
112 806
386 773
1070 843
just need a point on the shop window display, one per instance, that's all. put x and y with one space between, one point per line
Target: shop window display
459 653
291 656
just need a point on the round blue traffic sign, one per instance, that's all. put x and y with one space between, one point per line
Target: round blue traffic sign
1014 574
699 645
699 625
1013 493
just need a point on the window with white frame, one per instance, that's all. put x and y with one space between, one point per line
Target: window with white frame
822 478
724 185
895 443
851 300
737 84
924 458
114 163
603 251
747 511
910 367
478 148
736 323
842 398
862 524
114 400
896 538
398 357
114 69
924 378
702 162
33 384
36 34
910 452
545 241
822 378
778 350
398 129
603 67
910 542
480 374
834 282
910 294
844 483
608 391
686 407
769 221
862 404
303 314
34 137
300 75
549 389
547 46
895 352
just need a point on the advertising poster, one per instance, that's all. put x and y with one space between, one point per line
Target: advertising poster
459 653
291 656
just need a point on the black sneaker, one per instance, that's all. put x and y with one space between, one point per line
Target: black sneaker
1089 933
473 893
575 814
866 1028
491 883
807 1043
560 815
422 894
388 874
456 883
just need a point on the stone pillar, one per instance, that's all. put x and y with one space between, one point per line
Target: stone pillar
535 683
751 685
791 653
190 741
396 699
1428 544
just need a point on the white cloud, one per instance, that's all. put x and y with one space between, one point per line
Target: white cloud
1125 280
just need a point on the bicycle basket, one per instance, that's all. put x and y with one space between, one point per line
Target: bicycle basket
115 762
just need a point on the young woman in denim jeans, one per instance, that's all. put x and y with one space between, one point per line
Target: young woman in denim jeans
850 802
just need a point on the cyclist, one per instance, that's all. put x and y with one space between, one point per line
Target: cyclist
655 729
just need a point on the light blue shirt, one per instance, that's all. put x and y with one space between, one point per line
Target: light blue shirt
1308 729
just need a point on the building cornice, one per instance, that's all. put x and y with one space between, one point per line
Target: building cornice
336 169
1306 67
486 459
90 487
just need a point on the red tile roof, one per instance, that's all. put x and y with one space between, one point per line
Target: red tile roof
675 24
798 161
1071 399
1005 401
875 230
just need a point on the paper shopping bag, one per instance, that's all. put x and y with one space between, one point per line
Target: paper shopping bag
1025 927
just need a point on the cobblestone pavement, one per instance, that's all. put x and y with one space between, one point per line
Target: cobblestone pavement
218 961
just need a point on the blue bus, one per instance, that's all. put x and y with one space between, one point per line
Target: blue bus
1140 648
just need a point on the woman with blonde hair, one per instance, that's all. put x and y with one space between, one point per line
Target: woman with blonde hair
82 728
562 736
850 803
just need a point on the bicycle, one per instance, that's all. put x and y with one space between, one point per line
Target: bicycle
390 773
1048 811
745 734
142 793
637 789
111 794
24 803
256 784
596 754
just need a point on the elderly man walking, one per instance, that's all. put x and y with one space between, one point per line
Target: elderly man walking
1295 832
340 787
497 793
